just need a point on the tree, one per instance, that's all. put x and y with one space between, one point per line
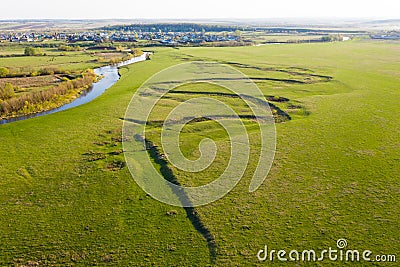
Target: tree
119 48
238 34
64 48
31 51
7 91
4 72
136 52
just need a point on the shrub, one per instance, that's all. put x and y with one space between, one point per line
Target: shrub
4 72
136 52
7 91
119 48
50 71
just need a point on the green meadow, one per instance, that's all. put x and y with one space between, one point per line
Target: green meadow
68 199
68 61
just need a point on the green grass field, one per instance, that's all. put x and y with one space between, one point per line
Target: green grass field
67 199
71 61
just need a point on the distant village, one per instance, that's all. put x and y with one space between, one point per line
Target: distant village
386 36
177 34
163 38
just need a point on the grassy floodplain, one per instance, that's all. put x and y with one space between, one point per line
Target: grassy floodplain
67 199
46 78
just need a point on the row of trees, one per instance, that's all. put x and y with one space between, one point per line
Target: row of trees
10 106
134 52
69 48
332 38
29 72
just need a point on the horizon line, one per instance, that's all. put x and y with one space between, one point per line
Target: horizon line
211 19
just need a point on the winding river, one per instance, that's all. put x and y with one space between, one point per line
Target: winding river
110 77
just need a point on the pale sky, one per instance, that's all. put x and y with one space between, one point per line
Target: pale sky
186 9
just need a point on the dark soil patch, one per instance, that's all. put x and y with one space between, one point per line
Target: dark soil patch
94 156
116 152
277 99
294 106
116 165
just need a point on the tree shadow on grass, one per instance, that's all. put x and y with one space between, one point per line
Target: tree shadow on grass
191 212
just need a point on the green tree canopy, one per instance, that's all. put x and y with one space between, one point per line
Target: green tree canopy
31 51
7 91
4 72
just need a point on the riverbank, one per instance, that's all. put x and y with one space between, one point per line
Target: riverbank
75 96
54 97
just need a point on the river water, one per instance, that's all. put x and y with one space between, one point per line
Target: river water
110 77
